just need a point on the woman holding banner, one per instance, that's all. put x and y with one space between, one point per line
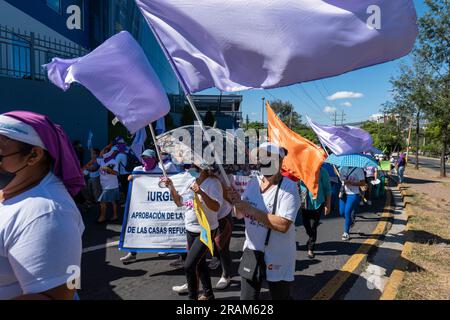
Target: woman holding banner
149 166
269 205
205 187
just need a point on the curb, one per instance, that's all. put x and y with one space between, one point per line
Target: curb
359 258
391 289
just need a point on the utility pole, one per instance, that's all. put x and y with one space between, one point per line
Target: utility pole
263 107
409 139
342 118
335 118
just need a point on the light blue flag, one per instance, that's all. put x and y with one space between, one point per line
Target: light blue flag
138 144
160 126
89 141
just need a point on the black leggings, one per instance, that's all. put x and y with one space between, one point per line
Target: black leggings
280 290
196 267
311 220
222 244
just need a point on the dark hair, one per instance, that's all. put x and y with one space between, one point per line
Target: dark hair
96 150
25 149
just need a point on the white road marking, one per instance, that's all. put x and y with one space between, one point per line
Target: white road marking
101 246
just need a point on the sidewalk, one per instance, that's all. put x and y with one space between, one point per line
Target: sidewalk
424 268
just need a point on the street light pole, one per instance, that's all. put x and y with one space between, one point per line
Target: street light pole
263 106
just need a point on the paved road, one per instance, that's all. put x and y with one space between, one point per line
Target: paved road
151 277
430 163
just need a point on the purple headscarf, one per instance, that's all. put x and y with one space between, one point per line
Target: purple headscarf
65 162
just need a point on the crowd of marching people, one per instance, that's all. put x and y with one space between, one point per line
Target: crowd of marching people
271 204
289 200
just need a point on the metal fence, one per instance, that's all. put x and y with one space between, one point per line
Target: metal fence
22 54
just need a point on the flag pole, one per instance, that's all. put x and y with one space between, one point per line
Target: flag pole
188 94
158 152
208 138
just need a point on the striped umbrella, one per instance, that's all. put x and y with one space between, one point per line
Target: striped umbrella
352 160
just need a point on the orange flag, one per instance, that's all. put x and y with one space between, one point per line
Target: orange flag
304 158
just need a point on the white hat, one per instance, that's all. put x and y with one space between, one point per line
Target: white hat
272 148
17 130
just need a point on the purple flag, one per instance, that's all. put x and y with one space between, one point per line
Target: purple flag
243 44
343 140
120 76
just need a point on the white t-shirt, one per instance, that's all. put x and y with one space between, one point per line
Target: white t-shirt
108 181
213 189
356 175
121 159
40 238
281 251
225 210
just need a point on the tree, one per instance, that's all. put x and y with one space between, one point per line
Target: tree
386 136
307 133
412 92
285 111
254 125
434 48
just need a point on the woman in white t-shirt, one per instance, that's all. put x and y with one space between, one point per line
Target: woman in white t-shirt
109 180
209 190
352 179
40 225
257 206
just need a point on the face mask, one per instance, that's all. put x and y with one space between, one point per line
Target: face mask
149 163
122 148
6 177
165 159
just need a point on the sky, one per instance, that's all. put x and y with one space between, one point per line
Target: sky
370 88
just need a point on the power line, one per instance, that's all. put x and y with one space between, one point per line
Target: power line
301 100
320 92
310 98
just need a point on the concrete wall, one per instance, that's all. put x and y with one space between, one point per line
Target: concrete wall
77 110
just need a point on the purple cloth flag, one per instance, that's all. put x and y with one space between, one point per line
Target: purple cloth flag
243 44
120 76
343 140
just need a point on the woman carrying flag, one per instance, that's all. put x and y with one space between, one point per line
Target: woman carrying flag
202 192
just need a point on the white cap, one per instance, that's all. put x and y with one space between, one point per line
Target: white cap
17 130
272 148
